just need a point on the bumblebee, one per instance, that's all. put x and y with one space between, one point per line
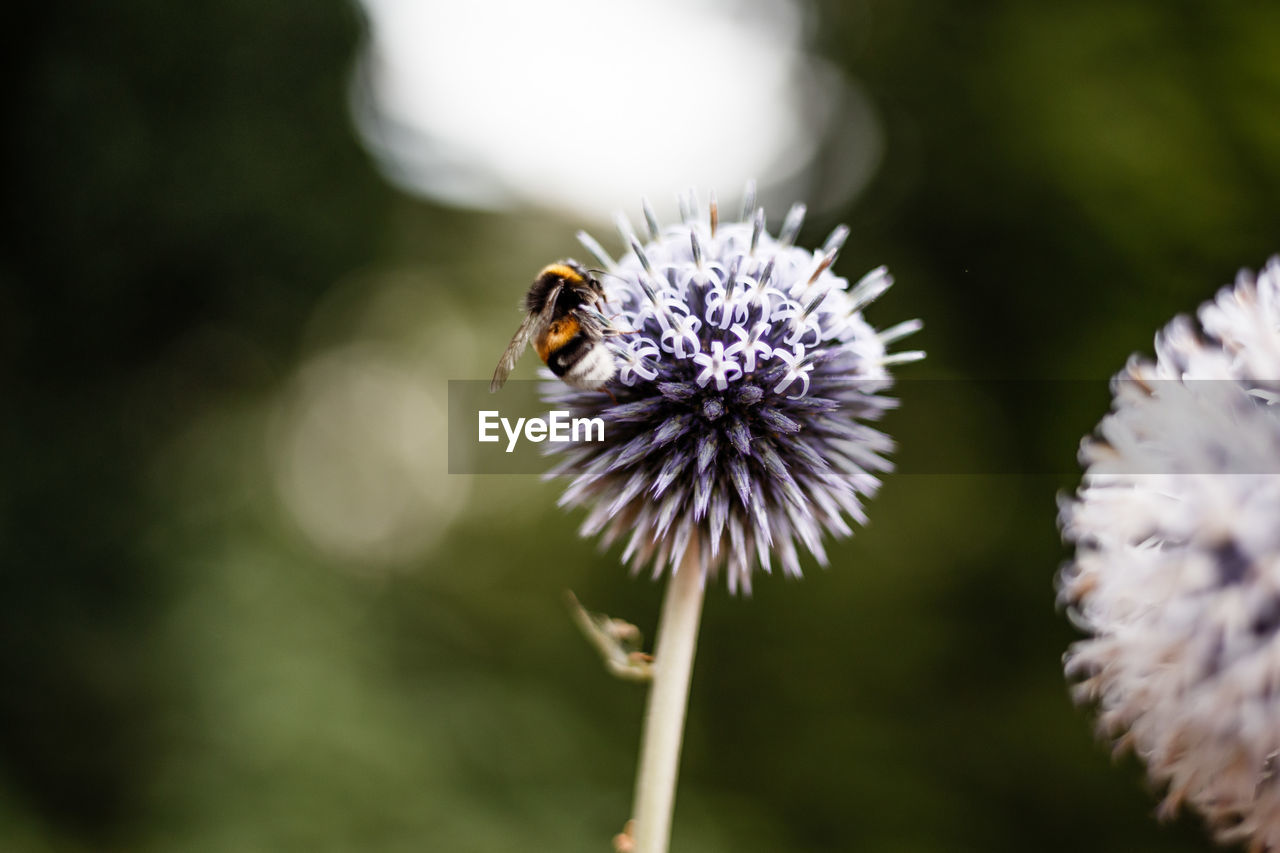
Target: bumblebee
565 326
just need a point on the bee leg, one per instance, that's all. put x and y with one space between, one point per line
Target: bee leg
617 641
610 330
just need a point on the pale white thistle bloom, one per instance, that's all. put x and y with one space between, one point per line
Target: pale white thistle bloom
1176 574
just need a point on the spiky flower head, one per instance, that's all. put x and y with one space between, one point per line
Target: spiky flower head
1176 575
746 380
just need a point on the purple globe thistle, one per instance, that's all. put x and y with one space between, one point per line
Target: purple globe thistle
1176 575
739 415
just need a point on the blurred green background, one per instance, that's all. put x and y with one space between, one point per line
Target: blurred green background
243 608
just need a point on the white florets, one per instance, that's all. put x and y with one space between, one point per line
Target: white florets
1176 576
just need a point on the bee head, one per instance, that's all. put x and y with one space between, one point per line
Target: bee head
570 277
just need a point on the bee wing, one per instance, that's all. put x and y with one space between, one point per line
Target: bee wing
528 329
517 346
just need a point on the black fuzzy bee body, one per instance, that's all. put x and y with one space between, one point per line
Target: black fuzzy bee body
562 321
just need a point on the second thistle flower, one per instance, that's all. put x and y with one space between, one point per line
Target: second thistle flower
746 383
1176 573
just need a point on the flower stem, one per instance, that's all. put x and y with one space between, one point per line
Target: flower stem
664 717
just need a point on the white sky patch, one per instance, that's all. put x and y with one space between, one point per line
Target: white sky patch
585 106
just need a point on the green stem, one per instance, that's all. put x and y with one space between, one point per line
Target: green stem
664 717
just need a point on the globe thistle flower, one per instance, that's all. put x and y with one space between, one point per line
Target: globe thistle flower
738 418
1176 574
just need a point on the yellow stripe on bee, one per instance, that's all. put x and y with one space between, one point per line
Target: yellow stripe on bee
567 273
557 335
